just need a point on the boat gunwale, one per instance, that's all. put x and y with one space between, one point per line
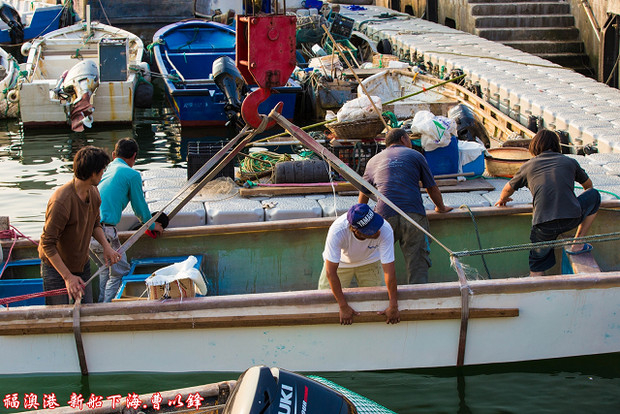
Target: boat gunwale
307 298
319 222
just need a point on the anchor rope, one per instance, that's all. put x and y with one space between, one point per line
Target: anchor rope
529 246
473 219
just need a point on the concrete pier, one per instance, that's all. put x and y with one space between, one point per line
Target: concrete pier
511 80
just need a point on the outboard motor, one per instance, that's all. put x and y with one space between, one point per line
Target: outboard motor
467 126
271 391
76 87
11 17
228 78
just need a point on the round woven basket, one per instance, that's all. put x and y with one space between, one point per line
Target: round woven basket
506 161
365 129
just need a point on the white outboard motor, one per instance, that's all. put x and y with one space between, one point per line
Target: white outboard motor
76 87
271 391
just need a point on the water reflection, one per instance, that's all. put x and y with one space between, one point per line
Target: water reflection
35 162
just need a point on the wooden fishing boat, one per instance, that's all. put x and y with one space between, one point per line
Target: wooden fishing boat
109 58
185 52
263 307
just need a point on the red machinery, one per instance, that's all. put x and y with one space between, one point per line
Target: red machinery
265 56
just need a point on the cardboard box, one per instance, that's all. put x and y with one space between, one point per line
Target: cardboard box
182 288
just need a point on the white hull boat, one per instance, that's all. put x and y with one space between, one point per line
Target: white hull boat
509 320
48 96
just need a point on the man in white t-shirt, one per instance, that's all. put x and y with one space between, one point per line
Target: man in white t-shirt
360 244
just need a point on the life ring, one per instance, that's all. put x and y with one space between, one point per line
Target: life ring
12 96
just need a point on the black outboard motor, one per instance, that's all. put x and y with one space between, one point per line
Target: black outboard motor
271 391
10 16
228 78
468 127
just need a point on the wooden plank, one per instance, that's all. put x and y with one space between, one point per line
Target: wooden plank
292 189
187 320
582 263
446 185
477 184
4 223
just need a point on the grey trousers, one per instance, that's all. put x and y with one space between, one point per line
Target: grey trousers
414 245
52 281
111 278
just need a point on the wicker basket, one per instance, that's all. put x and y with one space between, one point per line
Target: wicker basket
506 161
365 129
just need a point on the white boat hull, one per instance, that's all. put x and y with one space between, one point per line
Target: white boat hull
53 54
510 320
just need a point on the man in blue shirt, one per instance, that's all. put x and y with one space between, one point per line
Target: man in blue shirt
397 172
120 185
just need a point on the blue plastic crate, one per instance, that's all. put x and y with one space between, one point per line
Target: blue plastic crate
476 166
18 287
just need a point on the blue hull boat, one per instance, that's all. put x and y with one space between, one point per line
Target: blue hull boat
185 52
39 22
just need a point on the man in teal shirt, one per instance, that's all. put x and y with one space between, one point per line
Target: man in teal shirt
120 185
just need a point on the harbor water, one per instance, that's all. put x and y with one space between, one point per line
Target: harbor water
575 385
34 163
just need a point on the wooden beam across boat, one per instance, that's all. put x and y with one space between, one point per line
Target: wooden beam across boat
176 321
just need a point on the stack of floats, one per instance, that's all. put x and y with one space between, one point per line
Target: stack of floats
161 185
519 84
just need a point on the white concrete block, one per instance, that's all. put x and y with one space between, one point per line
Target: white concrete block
286 208
236 210
192 214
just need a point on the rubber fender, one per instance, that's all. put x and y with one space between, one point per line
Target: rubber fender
384 47
12 96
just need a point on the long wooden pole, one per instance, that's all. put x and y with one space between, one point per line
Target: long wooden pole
282 134
337 46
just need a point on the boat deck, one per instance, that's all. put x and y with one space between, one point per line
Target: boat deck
519 84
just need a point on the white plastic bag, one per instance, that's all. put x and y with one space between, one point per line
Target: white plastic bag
177 271
469 151
359 109
436 131
326 64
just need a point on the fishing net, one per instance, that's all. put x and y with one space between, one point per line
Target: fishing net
218 189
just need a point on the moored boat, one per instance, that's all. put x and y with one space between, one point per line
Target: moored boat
24 20
185 52
104 62
9 75
262 307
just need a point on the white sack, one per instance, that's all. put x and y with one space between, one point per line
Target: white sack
177 271
359 109
436 131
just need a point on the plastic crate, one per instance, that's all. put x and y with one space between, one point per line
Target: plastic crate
342 26
356 155
199 152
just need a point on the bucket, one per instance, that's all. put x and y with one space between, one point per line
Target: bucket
471 157
444 160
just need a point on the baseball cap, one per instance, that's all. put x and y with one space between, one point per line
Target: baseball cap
362 218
